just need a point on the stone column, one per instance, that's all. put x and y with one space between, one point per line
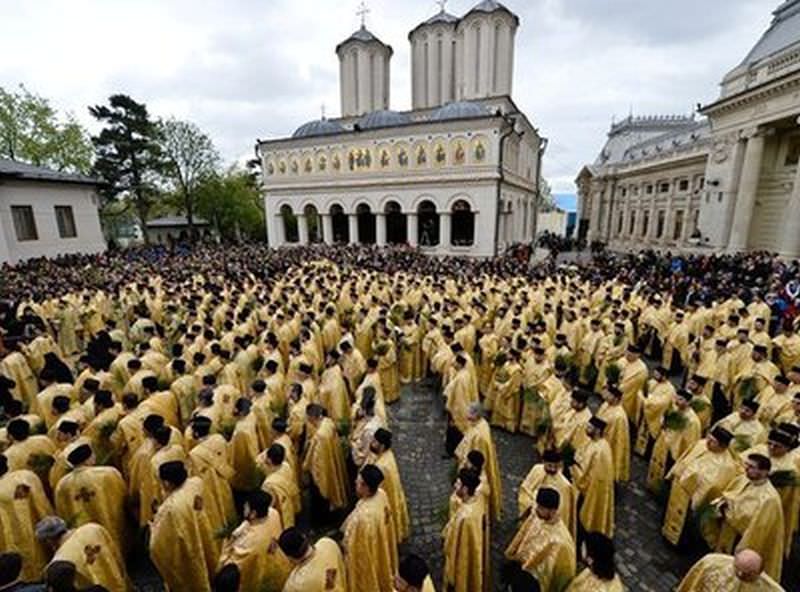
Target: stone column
444 231
748 189
652 229
669 221
790 239
411 228
352 220
327 228
380 229
280 232
688 221
302 228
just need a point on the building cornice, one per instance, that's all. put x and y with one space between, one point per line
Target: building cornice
751 95
483 173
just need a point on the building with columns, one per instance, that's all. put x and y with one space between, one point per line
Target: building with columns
729 181
457 174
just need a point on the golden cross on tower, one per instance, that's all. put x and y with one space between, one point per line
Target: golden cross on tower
363 11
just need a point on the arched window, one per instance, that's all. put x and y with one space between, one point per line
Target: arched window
366 225
313 222
462 220
396 225
289 224
427 224
340 225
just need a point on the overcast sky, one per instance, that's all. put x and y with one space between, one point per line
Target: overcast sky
247 69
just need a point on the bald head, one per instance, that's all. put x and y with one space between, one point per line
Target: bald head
748 565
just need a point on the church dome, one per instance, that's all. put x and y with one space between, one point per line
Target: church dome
318 127
489 7
459 110
440 18
383 118
365 36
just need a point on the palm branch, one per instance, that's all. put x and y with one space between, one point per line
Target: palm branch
226 530
568 456
343 427
784 479
675 421
705 515
613 373
443 513
40 463
591 374
699 404
741 442
227 428
748 388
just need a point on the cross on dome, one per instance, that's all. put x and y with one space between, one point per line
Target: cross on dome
363 11
442 5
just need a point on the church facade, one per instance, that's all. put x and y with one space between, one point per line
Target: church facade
729 181
457 174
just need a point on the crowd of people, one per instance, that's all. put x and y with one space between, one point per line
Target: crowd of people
227 411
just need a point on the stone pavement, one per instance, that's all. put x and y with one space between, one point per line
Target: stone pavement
644 561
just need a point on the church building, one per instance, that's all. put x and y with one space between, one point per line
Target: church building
729 181
457 174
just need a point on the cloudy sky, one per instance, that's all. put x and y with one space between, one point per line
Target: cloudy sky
247 69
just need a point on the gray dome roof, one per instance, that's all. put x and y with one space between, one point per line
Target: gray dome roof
377 119
440 18
363 35
318 127
490 6
459 110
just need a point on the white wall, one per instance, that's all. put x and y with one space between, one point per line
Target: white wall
43 197
554 222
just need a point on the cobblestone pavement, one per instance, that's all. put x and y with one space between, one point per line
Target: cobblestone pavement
644 561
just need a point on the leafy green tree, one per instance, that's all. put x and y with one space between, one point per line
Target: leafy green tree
128 156
232 202
32 131
190 158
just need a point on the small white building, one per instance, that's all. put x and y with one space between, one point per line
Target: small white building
162 230
46 213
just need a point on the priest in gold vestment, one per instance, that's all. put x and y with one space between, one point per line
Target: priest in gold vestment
699 476
382 456
752 515
182 517
717 572
370 543
253 546
479 437
466 540
543 546
316 568
23 503
90 548
600 573
550 473
593 475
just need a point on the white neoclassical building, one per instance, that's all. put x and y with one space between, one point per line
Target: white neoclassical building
457 174
729 181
